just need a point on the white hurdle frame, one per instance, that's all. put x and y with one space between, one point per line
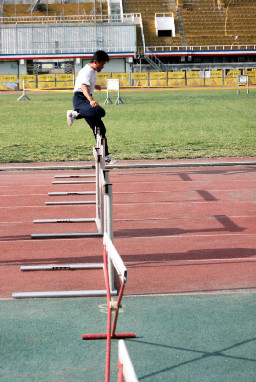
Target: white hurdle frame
125 364
243 80
24 97
104 217
113 85
99 156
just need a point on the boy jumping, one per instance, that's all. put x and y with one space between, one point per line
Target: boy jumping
84 104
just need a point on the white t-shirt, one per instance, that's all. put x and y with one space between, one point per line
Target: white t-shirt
87 76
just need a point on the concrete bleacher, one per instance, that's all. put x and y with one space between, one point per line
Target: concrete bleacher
232 24
147 9
20 11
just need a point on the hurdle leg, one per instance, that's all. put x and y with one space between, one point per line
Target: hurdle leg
107 100
119 100
111 306
118 304
120 372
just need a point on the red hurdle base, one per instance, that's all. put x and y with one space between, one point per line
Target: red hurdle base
103 336
115 305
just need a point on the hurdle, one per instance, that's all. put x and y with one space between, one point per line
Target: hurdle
125 366
243 80
113 85
99 155
104 213
110 254
24 96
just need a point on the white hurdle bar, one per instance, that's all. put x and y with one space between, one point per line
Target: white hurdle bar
73 182
62 294
72 193
53 267
70 202
75 176
114 260
125 364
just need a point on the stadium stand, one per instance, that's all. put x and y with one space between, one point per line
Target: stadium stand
23 13
197 22
233 23
148 9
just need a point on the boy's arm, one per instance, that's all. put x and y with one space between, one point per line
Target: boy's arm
86 93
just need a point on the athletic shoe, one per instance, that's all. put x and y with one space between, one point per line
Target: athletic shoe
71 115
110 160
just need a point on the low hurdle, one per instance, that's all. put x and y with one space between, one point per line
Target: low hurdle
243 80
110 254
99 155
104 214
113 85
24 96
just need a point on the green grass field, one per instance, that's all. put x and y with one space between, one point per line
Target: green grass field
149 125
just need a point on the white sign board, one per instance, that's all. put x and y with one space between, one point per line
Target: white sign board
113 84
243 79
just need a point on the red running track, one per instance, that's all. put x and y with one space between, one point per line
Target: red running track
182 230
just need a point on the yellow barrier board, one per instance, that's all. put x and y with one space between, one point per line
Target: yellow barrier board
141 83
124 83
8 78
46 85
103 76
158 75
194 74
176 75
64 77
233 73
28 85
27 77
195 82
230 81
7 87
102 83
213 82
140 76
250 73
121 76
176 82
216 73
252 80
158 82
65 84
46 77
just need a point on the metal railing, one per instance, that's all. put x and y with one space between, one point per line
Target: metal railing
199 47
60 19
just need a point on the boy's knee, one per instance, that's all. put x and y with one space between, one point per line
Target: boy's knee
101 112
